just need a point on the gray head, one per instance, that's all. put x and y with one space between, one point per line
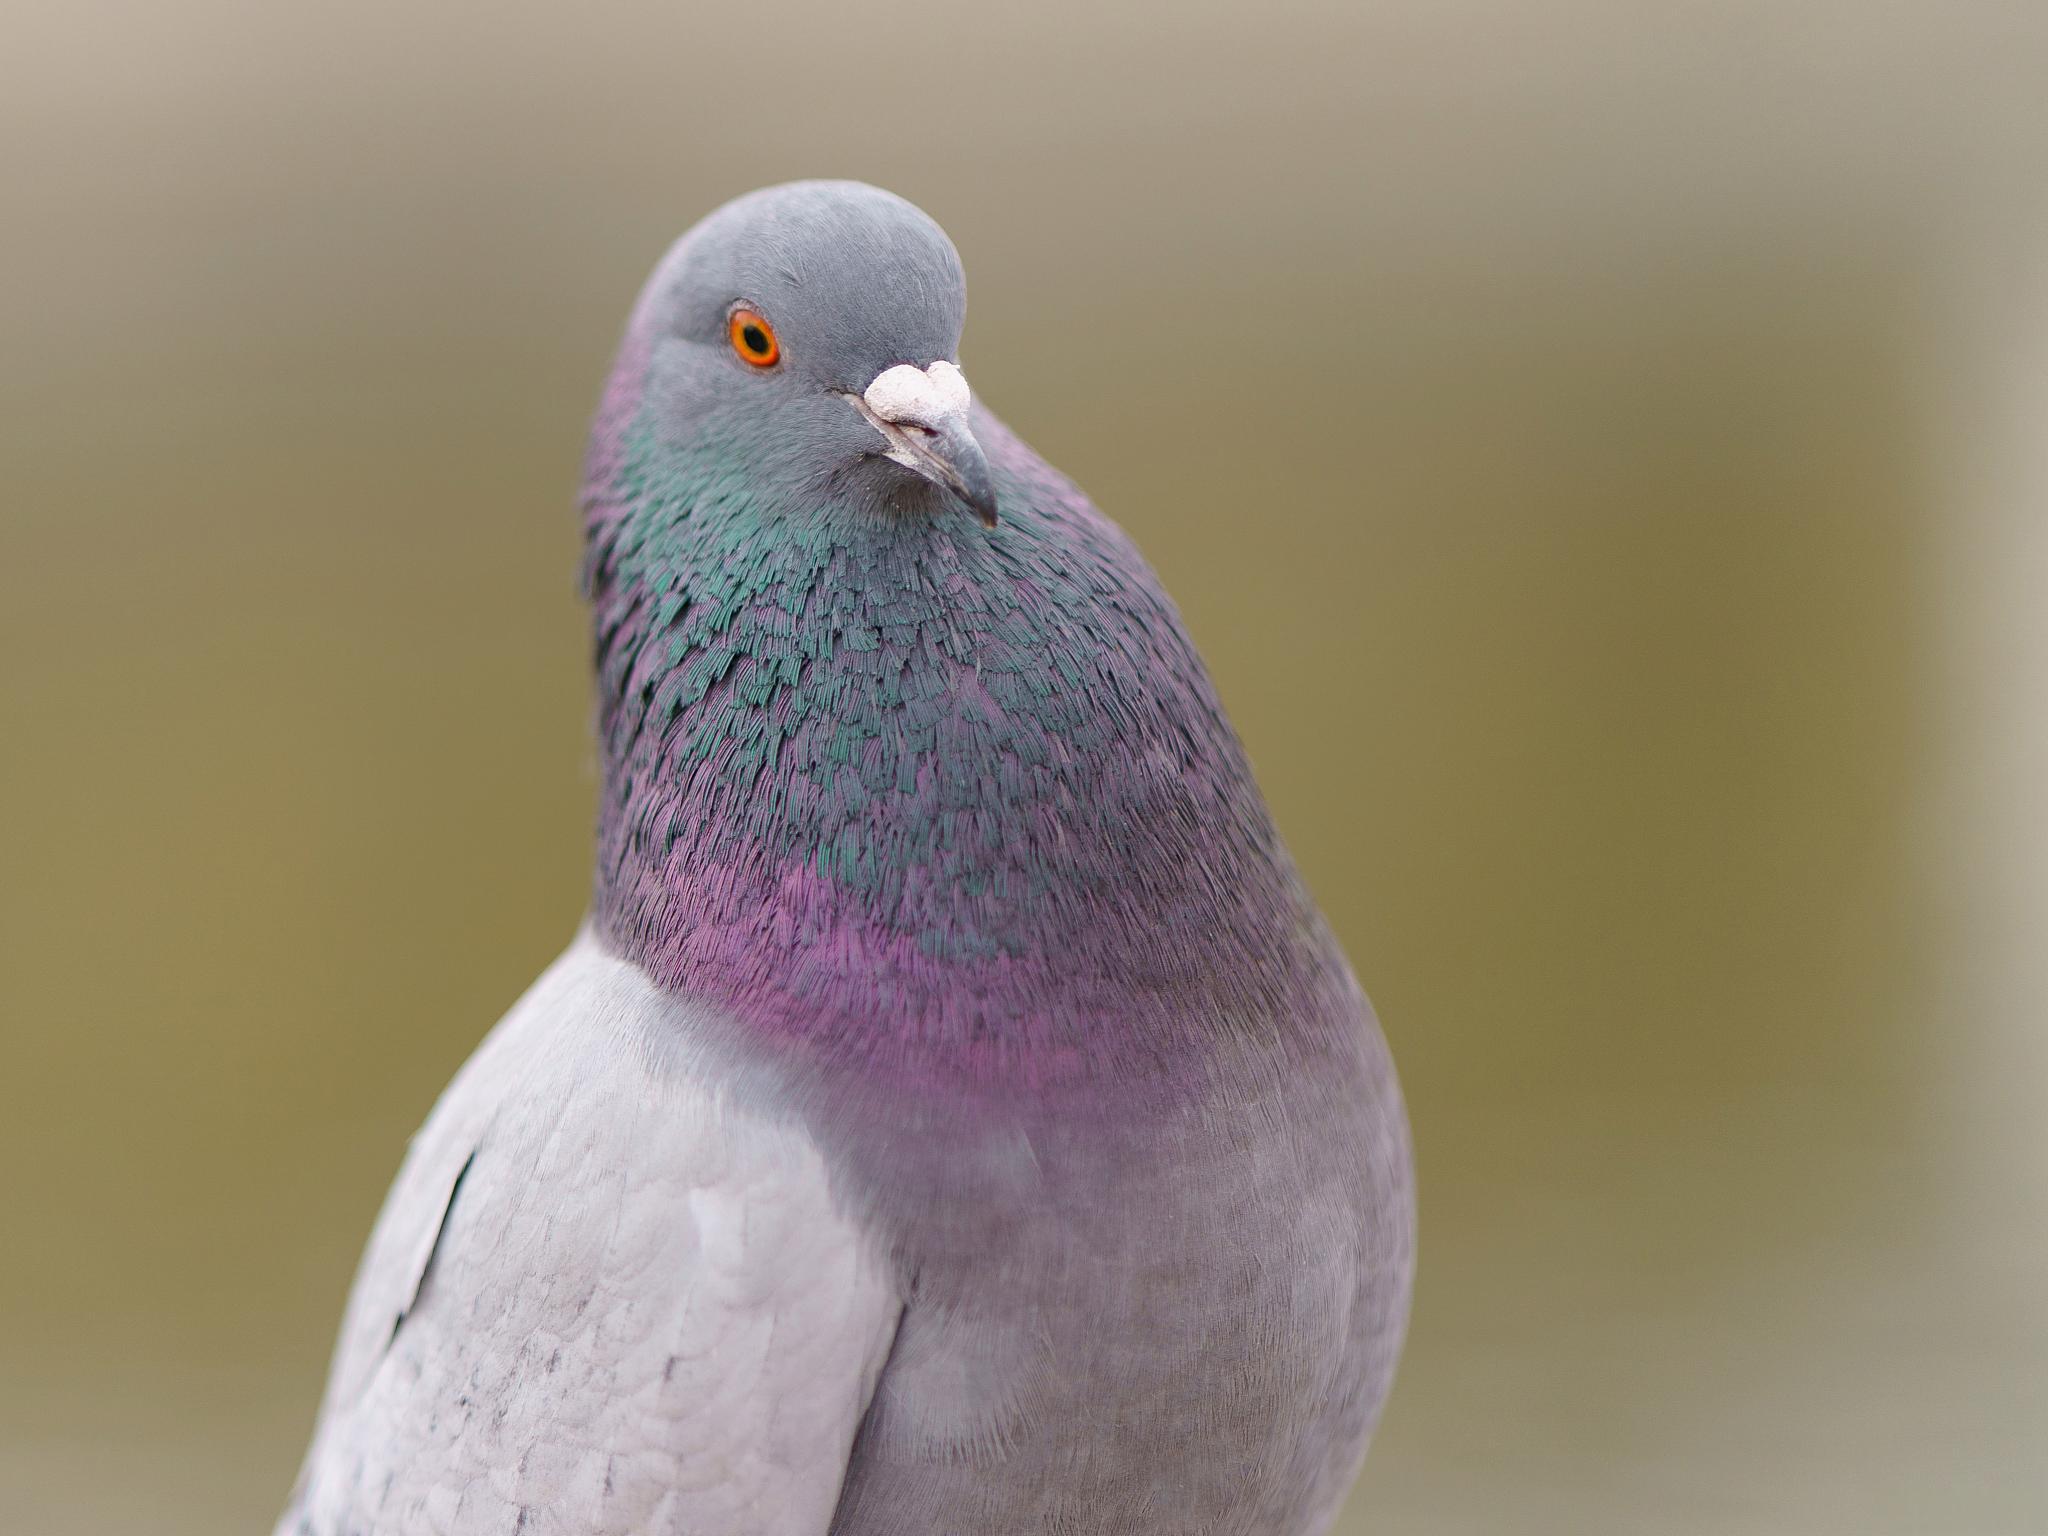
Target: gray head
809 335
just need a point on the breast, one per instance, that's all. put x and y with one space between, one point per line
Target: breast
1183 1318
604 1297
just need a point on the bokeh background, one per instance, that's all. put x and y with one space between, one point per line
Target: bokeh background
1601 448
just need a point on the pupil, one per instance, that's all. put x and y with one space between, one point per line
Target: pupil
755 338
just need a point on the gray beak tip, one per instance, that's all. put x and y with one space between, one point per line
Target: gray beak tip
963 470
980 499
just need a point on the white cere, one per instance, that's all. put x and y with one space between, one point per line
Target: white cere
924 397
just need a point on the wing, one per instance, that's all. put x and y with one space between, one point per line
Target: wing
602 1297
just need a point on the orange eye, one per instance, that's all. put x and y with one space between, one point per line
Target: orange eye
753 338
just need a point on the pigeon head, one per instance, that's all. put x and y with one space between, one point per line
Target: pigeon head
813 330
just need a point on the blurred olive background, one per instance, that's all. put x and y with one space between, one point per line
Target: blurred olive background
1602 450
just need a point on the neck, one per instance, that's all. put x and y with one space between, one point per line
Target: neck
895 789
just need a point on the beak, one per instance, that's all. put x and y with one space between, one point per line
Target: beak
922 413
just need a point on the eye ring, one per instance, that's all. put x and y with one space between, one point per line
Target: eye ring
753 338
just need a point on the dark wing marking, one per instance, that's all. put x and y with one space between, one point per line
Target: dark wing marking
433 1251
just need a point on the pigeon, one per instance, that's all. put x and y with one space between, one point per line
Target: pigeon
953 1115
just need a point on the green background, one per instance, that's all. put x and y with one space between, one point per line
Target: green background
1599 447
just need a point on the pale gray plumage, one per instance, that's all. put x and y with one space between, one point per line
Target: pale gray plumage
643 1313
996 1252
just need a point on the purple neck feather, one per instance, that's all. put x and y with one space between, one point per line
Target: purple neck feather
897 792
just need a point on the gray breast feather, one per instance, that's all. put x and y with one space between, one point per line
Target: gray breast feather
598 1300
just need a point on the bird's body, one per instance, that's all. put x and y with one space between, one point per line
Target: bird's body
956 1116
